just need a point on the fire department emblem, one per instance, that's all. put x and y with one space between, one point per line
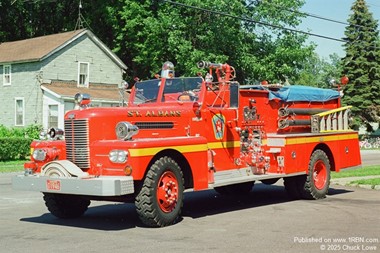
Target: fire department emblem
218 123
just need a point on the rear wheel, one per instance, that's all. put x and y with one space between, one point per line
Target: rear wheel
318 177
160 199
66 206
316 183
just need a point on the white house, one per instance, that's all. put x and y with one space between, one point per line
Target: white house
40 76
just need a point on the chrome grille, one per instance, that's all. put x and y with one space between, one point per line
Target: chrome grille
77 142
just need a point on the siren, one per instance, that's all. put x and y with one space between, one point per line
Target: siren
167 70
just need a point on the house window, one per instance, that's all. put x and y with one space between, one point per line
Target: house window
19 112
7 75
53 116
83 74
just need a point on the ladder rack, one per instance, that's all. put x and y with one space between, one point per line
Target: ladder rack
335 120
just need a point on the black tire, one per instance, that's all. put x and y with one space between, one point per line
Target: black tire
156 205
66 206
315 184
318 177
235 189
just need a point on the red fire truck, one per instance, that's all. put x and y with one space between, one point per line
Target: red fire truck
192 133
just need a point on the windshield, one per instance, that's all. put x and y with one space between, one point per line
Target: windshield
146 91
176 89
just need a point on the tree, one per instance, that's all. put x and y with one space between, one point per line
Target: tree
275 53
12 21
362 65
22 19
148 35
319 72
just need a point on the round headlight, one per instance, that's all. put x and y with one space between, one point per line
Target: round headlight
39 154
125 130
118 156
113 156
122 157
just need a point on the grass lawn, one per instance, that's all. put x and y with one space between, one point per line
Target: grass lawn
361 172
373 182
12 166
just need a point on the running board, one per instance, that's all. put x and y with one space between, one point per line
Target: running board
228 177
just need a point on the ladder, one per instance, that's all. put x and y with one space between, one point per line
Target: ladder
336 120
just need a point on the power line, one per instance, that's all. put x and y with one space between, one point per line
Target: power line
303 13
253 21
269 2
308 14
265 23
34 1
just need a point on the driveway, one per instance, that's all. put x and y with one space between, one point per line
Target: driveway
264 221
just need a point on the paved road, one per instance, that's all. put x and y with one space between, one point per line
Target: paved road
264 221
370 157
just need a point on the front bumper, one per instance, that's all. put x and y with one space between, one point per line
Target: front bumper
99 186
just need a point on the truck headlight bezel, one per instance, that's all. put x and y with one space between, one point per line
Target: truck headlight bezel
118 156
39 154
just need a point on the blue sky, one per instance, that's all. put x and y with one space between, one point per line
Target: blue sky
336 10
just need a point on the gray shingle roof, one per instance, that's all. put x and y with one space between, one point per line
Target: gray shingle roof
36 48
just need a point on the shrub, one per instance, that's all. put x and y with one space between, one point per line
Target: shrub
15 142
14 148
31 131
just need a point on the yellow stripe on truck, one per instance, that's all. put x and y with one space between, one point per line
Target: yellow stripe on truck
152 151
305 140
136 152
224 144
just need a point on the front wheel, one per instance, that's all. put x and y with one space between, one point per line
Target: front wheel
160 199
66 206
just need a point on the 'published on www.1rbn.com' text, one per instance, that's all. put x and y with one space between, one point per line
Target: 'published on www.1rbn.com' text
355 243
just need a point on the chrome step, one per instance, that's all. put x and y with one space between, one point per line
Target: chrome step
236 176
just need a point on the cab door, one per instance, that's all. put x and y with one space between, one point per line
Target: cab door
223 137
